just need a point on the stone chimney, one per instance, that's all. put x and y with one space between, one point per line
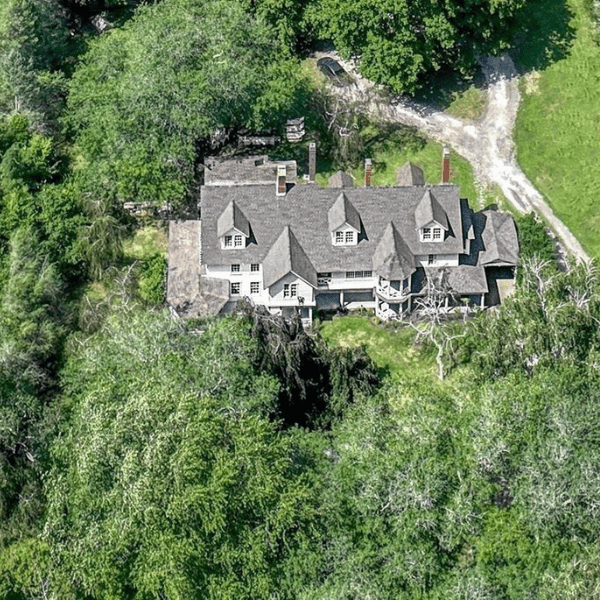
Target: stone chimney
281 183
368 167
312 162
446 166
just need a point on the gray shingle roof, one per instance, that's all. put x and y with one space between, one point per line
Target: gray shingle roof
231 217
392 259
287 256
246 170
341 179
305 208
341 212
500 241
429 209
466 279
409 174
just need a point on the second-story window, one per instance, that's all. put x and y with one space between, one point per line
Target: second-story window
228 243
437 233
286 290
293 290
235 268
349 237
426 233
254 287
254 267
238 241
431 259
339 237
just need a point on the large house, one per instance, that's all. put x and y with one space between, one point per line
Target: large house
299 247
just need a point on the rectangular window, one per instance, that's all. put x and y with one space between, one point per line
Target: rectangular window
349 237
228 241
437 233
368 274
238 241
426 233
339 237
323 275
350 274
431 259
254 267
286 290
235 268
254 287
235 288
293 290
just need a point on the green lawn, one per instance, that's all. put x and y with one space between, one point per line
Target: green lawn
557 133
389 348
145 243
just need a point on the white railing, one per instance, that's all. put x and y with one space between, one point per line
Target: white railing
390 292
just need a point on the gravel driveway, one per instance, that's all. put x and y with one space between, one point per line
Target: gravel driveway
487 144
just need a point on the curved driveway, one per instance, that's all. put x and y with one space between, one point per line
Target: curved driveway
487 144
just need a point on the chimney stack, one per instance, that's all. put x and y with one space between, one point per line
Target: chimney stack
446 166
281 180
368 166
312 162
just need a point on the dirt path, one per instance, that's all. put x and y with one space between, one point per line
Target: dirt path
487 144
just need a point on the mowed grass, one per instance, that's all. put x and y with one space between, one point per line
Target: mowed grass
391 349
557 133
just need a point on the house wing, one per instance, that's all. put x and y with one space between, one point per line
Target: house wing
392 259
286 255
428 210
499 239
342 211
232 217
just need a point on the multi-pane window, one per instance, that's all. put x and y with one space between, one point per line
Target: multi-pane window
235 268
254 287
431 259
339 237
238 241
228 241
235 288
358 274
426 233
349 237
293 290
350 274
367 273
286 290
437 233
254 267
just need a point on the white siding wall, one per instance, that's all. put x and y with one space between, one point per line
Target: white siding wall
340 282
441 260
245 277
304 290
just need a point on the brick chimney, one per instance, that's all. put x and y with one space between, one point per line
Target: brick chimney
312 162
446 166
368 167
281 183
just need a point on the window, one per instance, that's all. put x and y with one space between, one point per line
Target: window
431 259
426 233
437 233
235 288
323 275
350 274
254 287
293 290
349 237
228 241
255 267
238 241
368 274
235 268
339 237
286 290
358 274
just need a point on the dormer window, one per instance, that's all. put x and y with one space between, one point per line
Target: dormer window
432 233
437 233
349 237
228 241
339 237
238 241
426 233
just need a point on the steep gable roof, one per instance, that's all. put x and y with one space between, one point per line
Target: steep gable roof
341 179
429 209
500 241
341 212
392 258
232 217
286 255
409 174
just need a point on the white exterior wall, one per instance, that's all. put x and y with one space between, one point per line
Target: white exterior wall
340 282
304 290
441 260
244 277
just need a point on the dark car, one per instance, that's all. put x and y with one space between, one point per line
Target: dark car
330 68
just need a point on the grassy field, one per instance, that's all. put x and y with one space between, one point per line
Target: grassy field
145 244
391 349
557 133
468 104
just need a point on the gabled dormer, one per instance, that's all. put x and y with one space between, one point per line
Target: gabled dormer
431 219
344 222
233 228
